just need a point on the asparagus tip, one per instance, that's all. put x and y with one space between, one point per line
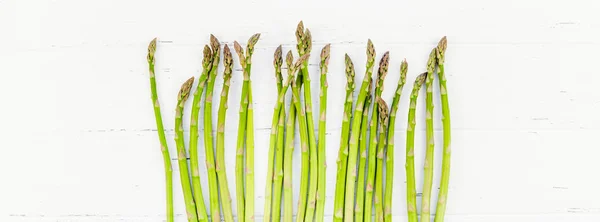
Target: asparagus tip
278 60
441 50
383 111
227 60
383 67
184 92
421 78
325 54
300 31
431 61
151 50
370 51
207 56
307 41
214 43
403 70
289 59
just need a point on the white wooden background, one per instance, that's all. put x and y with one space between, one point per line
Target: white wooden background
78 132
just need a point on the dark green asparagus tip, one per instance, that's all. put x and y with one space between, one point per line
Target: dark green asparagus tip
184 92
227 61
151 50
431 61
214 43
370 52
383 68
403 70
441 50
277 59
208 56
289 59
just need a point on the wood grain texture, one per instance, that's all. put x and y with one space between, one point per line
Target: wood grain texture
77 119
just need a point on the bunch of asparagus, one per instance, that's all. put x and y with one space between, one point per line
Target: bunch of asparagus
436 59
366 154
312 188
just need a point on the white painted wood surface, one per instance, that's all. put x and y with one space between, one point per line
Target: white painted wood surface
78 133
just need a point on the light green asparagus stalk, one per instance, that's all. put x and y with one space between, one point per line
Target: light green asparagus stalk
249 214
362 146
428 168
197 187
161 133
383 116
277 62
221 172
320 211
372 157
445 179
241 139
342 161
355 132
213 186
383 125
303 126
411 190
289 144
190 206
389 173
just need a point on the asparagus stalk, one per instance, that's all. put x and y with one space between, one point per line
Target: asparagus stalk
161 133
277 62
278 181
221 172
245 100
190 206
303 134
389 176
428 168
411 190
239 160
249 214
197 187
372 157
213 186
353 151
445 179
383 125
342 161
320 211
362 146
289 143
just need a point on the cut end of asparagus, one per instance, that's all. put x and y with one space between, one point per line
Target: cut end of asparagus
207 60
184 92
227 61
370 52
441 50
431 61
383 69
325 57
403 70
151 50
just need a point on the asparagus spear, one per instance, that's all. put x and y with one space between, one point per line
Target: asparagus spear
161 133
362 146
445 179
372 157
213 188
303 130
221 172
322 129
249 214
428 168
277 62
289 144
239 160
353 151
389 176
411 190
190 206
383 124
342 161
197 187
